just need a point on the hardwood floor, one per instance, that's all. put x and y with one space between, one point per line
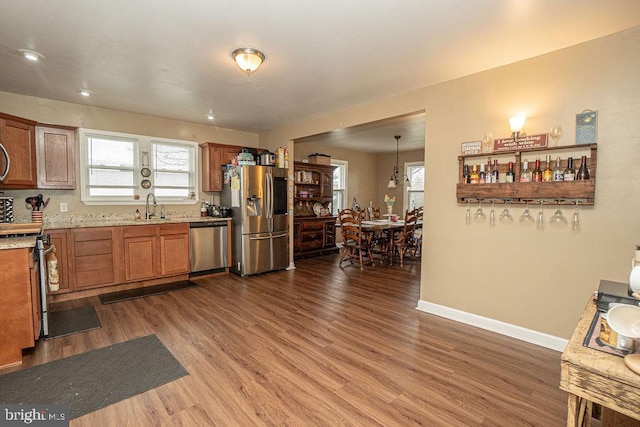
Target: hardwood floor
320 346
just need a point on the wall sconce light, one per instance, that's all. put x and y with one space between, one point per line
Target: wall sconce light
516 124
248 59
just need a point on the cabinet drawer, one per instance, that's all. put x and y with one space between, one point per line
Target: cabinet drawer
89 234
312 226
168 229
89 248
139 231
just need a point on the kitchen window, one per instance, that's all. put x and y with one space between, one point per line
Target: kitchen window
112 163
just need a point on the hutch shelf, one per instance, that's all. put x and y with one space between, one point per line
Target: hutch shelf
561 192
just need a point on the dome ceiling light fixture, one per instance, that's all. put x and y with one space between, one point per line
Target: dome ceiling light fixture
31 55
248 59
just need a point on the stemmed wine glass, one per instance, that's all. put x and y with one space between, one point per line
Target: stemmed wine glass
526 218
487 139
558 219
555 133
492 216
540 218
468 214
505 216
575 220
479 215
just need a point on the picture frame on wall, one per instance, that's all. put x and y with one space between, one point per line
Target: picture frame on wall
587 127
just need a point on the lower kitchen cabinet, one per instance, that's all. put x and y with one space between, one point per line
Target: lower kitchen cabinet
92 257
18 305
174 249
140 248
59 239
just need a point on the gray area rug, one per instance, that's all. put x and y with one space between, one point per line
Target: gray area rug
145 292
72 321
95 379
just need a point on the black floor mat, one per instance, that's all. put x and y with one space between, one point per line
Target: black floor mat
95 379
72 321
145 292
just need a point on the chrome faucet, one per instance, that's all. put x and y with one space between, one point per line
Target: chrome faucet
147 214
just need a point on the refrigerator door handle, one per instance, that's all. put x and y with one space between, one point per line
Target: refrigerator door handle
6 169
260 238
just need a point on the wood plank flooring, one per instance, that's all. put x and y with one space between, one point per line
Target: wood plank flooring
320 346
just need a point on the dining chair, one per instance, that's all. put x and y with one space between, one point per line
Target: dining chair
403 242
355 242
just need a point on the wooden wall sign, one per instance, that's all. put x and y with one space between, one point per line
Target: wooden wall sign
474 147
521 143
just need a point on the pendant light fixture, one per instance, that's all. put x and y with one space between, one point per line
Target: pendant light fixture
394 181
248 59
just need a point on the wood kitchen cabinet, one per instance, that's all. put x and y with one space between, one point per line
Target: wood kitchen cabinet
155 250
213 157
17 135
59 238
313 236
92 253
56 154
17 309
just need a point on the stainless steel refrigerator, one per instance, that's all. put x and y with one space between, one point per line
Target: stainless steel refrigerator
257 196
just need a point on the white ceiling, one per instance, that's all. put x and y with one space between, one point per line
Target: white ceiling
172 59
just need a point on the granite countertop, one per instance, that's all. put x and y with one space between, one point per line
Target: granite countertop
17 242
112 221
58 222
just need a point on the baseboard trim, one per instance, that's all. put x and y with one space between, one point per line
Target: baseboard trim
513 331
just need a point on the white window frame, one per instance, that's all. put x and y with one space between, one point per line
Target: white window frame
407 166
344 164
142 144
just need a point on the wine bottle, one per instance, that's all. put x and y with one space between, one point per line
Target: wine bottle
510 176
466 177
482 177
547 173
474 175
583 172
536 175
569 172
489 176
525 174
495 174
558 173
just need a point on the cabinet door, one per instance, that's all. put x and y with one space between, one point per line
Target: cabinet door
174 249
16 306
213 157
329 233
60 240
174 254
19 140
56 158
35 295
140 244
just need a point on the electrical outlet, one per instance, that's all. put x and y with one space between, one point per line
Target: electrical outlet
64 207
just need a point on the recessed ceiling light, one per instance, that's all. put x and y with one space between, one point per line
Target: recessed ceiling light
210 117
85 92
31 55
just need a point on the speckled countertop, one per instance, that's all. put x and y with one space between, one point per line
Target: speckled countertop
54 222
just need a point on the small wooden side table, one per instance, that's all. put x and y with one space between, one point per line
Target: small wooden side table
590 376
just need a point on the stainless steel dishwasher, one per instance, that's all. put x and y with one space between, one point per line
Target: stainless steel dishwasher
208 246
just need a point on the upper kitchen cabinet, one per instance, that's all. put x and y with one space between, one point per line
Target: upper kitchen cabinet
213 157
56 155
17 136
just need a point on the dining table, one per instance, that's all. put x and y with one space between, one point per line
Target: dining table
379 225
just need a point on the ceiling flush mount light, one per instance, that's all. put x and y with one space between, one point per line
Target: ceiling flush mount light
31 55
248 59
394 180
516 123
